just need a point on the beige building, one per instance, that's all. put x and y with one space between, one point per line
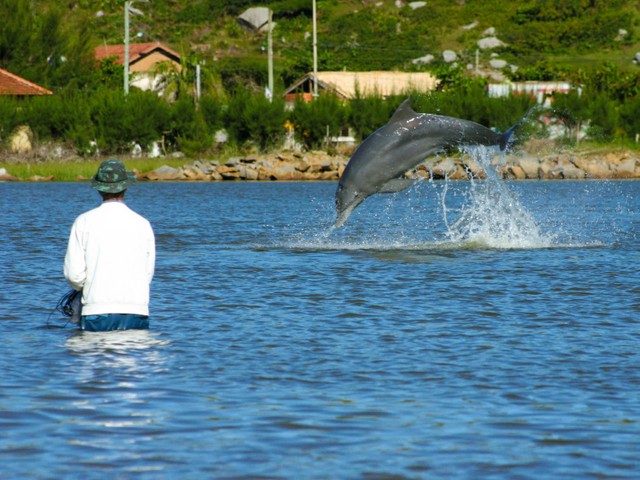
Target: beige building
144 61
346 85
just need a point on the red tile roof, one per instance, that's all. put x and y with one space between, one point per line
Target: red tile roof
136 51
11 84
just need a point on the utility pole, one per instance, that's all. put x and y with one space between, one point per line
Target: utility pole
126 47
127 10
197 85
315 53
270 55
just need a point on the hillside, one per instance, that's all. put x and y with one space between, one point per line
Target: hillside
541 38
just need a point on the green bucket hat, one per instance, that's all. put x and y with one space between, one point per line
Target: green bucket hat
112 177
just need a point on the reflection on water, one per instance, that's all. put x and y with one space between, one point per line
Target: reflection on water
116 396
113 343
128 350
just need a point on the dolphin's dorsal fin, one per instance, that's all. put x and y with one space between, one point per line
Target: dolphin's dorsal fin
403 112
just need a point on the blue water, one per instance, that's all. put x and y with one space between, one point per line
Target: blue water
455 330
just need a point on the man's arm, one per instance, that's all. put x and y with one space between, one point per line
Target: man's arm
151 255
75 266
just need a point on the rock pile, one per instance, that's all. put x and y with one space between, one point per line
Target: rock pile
321 166
314 166
573 167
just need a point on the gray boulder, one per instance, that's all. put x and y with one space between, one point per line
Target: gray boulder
423 60
622 34
254 18
5 176
449 56
165 173
497 63
20 140
490 42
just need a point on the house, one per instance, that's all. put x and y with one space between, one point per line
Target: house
11 84
144 60
540 90
346 85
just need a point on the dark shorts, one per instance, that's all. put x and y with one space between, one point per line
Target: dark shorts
113 321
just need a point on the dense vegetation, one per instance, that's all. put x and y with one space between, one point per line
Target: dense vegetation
588 42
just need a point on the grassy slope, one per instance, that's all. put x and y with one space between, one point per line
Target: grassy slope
350 32
70 171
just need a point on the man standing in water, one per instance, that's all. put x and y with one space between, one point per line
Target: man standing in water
111 257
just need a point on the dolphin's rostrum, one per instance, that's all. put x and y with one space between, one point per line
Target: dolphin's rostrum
379 163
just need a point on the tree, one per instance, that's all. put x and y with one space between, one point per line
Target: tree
572 110
367 114
178 82
316 120
605 117
15 35
252 118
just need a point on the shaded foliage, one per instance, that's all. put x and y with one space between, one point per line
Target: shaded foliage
187 129
240 73
604 117
14 35
103 119
629 118
551 26
572 110
314 121
253 118
367 114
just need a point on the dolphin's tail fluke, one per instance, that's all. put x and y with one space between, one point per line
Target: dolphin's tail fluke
505 139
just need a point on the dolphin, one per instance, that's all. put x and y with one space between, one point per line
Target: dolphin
380 162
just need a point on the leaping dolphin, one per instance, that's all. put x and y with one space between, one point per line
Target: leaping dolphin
379 163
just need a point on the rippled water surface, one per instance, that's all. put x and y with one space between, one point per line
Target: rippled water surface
454 330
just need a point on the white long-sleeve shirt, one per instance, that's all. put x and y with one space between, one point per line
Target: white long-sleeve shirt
111 258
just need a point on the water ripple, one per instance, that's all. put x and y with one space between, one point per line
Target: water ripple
280 348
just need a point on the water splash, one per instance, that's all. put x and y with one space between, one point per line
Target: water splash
492 215
468 215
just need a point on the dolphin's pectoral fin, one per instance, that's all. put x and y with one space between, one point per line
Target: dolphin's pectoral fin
396 185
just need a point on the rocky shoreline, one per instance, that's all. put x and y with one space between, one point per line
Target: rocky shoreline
320 166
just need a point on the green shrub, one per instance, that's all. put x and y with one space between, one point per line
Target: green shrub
239 73
55 116
605 119
252 118
119 122
149 116
572 110
291 8
629 118
9 116
504 112
187 130
313 121
212 111
367 114
108 114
